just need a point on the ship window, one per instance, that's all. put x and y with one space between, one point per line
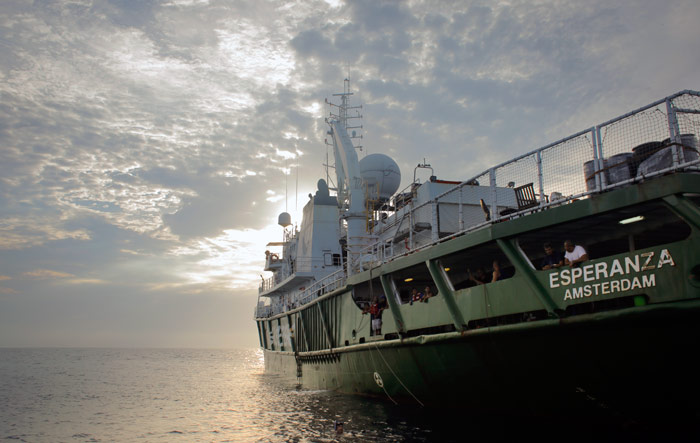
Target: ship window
336 260
602 235
480 262
327 259
363 292
415 277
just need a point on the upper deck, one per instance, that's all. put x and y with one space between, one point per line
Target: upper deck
654 140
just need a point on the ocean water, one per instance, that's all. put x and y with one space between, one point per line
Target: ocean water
91 395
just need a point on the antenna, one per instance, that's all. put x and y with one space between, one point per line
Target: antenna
423 165
286 181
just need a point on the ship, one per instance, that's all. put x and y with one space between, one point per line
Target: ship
457 292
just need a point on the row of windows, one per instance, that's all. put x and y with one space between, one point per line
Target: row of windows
624 230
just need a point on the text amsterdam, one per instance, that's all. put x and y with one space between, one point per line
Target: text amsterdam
624 268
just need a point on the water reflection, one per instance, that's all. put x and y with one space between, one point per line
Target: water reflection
224 395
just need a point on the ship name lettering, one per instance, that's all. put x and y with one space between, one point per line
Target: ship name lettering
647 266
603 270
610 287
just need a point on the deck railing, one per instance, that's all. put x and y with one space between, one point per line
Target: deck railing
328 284
321 287
303 264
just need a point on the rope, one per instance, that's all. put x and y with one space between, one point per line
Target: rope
362 320
379 381
387 394
397 377
486 306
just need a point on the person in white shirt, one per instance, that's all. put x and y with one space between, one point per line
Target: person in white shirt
574 255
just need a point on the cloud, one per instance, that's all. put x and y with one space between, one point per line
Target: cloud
86 281
148 147
46 274
231 260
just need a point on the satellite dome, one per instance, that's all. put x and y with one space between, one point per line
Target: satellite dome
381 174
284 219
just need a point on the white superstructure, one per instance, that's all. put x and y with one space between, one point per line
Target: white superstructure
366 222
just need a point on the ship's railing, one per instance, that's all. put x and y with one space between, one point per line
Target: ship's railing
301 264
289 268
269 283
263 311
612 154
327 284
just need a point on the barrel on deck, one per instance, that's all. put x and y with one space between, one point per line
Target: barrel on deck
663 157
689 145
589 174
619 167
645 150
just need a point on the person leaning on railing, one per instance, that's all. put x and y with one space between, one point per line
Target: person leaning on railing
427 294
416 296
481 277
574 255
553 259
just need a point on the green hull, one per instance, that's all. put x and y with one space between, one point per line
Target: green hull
621 337
636 360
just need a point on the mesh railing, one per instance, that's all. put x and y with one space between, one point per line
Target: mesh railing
658 138
568 167
687 114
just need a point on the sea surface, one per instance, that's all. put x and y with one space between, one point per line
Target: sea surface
96 395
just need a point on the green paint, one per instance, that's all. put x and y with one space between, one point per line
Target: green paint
393 304
445 290
523 266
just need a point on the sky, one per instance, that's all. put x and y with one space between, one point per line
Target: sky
147 147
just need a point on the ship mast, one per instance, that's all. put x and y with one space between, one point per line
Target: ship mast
351 196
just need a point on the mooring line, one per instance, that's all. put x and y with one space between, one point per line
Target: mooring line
397 377
486 305
378 379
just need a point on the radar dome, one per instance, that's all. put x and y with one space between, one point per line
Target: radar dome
284 219
381 174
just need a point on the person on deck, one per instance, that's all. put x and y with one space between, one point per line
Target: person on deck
553 259
416 296
481 277
375 312
496 272
427 294
574 255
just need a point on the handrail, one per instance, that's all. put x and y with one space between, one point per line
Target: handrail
321 287
303 264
